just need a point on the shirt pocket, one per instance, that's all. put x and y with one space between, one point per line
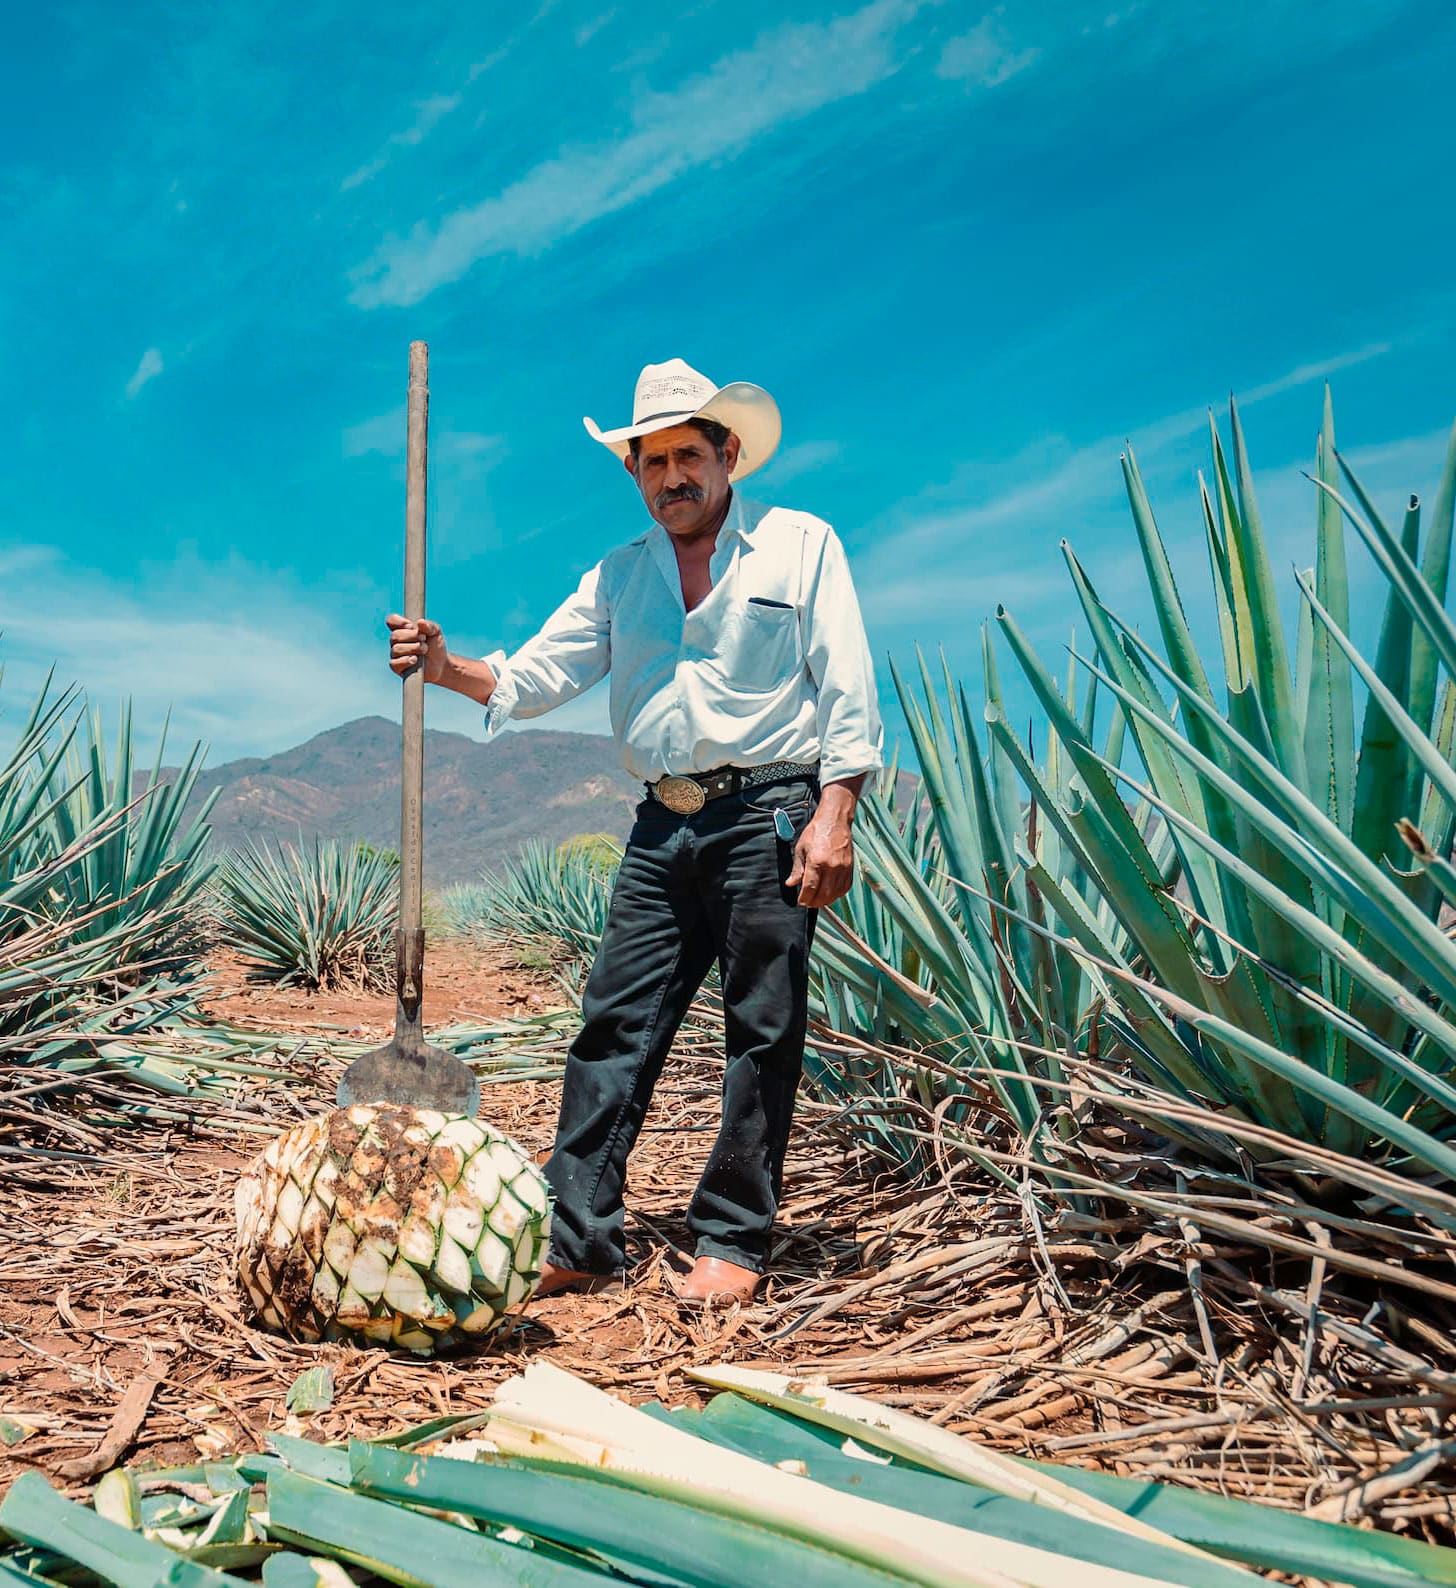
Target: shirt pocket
760 649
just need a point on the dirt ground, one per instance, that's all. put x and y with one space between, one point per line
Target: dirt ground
463 983
118 1274
122 1336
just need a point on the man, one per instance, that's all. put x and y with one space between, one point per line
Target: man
742 694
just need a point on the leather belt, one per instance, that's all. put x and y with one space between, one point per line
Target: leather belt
685 795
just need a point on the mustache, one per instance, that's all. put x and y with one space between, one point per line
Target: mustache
684 493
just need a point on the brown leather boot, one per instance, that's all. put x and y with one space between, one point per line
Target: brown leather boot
715 1279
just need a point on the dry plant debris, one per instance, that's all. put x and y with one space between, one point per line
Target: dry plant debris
1125 1339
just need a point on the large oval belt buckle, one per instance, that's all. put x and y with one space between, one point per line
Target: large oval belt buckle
680 794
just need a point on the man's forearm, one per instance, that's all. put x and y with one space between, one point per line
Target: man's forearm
469 676
837 800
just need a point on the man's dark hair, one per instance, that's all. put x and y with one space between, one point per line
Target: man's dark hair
717 434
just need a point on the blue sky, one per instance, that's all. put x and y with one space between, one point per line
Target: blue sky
969 249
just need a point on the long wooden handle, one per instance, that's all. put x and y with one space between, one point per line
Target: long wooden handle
412 739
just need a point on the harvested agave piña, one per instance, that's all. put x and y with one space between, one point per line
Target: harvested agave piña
395 1225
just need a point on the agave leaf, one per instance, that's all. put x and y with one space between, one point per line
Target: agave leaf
1124 861
1408 1006
1290 1022
1003 776
1172 954
1223 589
1329 724
402 1546
1176 1067
661 1535
1180 1064
1435 569
1431 760
1307 836
1229 545
312 1390
1177 638
920 1441
1380 1123
1241 1530
33 1512
932 741
1166 772
1270 1539
1428 613
1303 667
1380 784
1270 659
737 1424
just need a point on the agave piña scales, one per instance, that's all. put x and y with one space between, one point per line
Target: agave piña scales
390 1224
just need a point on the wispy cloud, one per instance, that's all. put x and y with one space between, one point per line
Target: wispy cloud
223 650
1303 374
1054 489
148 368
984 57
429 113
804 457
384 433
784 75
590 29
215 651
468 454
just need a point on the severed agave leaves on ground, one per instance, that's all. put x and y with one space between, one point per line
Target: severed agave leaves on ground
395 1225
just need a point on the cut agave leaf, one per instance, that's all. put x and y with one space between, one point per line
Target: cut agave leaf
693 1545
312 1391
33 1512
619 1444
1270 1539
305 1571
404 1547
116 1499
776 1437
329 1463
924 1442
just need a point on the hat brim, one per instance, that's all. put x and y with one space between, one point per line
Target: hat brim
747 410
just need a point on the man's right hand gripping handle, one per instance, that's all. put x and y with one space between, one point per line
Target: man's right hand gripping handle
414 644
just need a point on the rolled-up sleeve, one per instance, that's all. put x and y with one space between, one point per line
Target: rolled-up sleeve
850 735
572 652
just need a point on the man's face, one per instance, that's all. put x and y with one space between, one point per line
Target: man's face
682 479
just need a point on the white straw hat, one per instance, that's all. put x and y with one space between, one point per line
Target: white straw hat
672 393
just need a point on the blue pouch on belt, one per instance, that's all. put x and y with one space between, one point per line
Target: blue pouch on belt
783 826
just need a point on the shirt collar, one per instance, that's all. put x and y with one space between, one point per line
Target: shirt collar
736 527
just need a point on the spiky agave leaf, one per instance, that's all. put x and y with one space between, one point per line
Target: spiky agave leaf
95 885
1292 930
152 866
321 914
1229 864
557 895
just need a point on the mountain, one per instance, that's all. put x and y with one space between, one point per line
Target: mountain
482 802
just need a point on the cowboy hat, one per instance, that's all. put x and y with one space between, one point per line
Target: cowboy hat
672 393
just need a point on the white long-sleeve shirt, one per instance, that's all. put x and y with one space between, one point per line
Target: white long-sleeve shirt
772 665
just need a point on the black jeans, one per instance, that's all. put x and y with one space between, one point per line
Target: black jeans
691 890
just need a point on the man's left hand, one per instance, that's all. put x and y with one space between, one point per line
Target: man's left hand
824 855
